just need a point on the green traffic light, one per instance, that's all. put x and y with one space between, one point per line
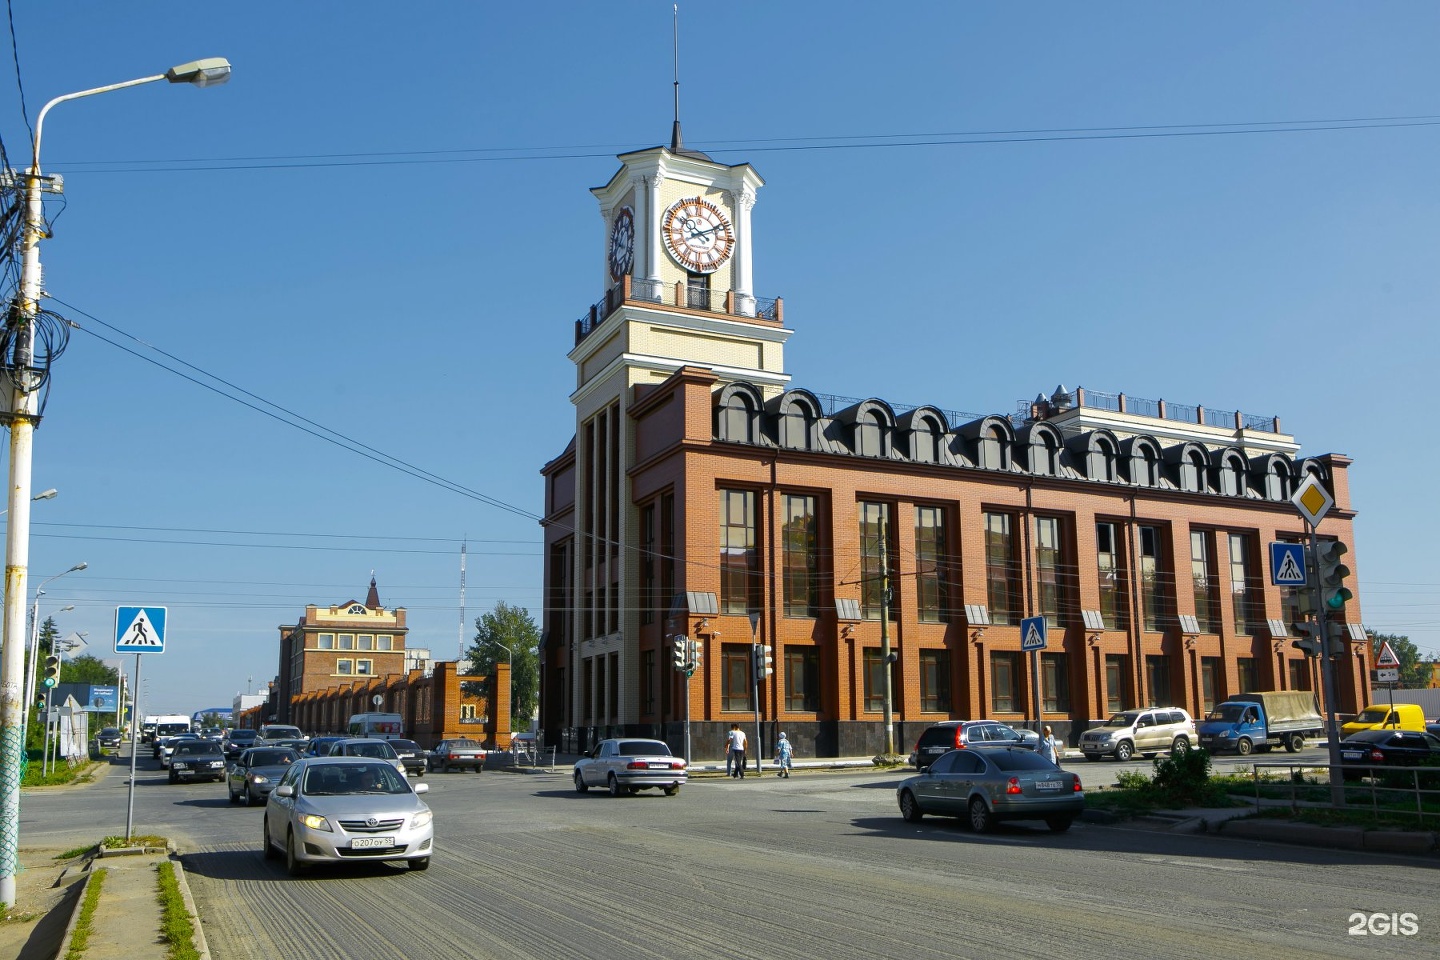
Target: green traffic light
1336 600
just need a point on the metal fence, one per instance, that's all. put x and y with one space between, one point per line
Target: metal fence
1387 784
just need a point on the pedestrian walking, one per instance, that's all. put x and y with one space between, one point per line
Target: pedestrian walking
737 752
1048 748
783 752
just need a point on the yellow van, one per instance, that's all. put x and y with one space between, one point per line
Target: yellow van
1402 716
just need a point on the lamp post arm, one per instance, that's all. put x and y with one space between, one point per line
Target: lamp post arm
40 120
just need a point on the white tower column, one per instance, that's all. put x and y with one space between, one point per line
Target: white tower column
647 195
742 200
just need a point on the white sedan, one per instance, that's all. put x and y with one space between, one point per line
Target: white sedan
625 766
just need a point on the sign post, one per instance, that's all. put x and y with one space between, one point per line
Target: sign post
138 630
1033 640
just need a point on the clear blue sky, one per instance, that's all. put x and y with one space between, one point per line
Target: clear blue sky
383 224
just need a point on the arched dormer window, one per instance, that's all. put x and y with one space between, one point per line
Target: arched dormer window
925 441
1232 475
993 449
1277 481
736 419
987 442
1101 460
1042 445
872 434
1192 470
1150 467
1050 454
799 421
1143 461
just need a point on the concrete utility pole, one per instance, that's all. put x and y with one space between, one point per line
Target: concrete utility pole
23 380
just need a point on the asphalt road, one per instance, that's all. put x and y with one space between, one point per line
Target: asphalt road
818 866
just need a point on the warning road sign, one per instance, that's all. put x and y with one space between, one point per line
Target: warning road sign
139 629
1387 657
1287 564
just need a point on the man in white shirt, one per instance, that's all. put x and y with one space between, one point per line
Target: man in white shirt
737 751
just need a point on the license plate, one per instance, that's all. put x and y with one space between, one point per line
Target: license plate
1047 785
216 764
659 766
1351 755
371 843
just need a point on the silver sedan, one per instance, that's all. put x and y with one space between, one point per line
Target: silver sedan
347 809
625 766
986 784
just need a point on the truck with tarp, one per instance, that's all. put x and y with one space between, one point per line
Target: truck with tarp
1261 720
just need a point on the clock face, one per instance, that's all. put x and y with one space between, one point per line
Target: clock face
622 243
698 235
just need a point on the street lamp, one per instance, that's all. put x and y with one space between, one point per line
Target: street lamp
35 643
46 495
20 383
509 652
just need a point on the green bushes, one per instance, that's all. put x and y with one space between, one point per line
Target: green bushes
1179 780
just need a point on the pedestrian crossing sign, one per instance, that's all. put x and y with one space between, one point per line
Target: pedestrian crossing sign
139 629
1287 564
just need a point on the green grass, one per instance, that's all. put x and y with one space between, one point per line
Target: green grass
139 840
76 852
61 773
176 926
80 936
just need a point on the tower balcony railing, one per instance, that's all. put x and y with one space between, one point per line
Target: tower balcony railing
686 296
1164 410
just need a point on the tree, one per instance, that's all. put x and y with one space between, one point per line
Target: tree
1414 672
510 628
87 669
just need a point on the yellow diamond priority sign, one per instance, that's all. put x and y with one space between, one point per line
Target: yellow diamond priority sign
1312 500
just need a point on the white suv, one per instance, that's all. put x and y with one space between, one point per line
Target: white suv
1146 732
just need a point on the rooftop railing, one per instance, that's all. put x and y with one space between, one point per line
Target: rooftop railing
691 297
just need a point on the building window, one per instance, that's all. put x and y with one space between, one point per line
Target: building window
647 682
1117 672
736 417
1005 682
874 673
1049 571
1002 580
802 679
325 641
877 560
800 558
365 642
697 291
1157 678
1247 674
364 667
1055 683
468 713
739 559
667 547
1241 594
1111 569
384 642
935 681
347 641
1300 674
1211 671
344 667
1202 572
1152 588
735 664
930 564
648 601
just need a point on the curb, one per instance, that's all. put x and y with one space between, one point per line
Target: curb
1342 838
201 945
84 888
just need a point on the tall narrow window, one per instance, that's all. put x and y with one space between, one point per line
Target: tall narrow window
739 558
647 564
1202 573
930 564
935 681
800 557
877 560
874 674
1152 588
1241 594
1055 682
697 291
1300 674
647 682
1247 674
735 664
1157 678
802 679
1211 671
1110 562
667 548
1117 672
1005 682
1002 576
1049 571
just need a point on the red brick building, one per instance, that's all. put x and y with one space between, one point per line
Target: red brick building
703 496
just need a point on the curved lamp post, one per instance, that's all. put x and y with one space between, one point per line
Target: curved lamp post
35 642
20 382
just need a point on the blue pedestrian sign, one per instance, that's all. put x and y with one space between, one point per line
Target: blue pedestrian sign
139 629
1287 564
1032 633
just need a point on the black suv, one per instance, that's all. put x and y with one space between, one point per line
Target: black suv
940 738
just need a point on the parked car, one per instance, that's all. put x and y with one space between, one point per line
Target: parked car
412 755
237 741
108 738
940 738
320 746
1146 732
256 771
989 784
165 748
299 746
344 810
367 747
458 755
626 766
1388 748
196 759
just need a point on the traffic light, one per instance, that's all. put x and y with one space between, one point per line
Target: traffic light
680 644
52 670
696 650
764 662
1308 642
1336 646
1329 559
